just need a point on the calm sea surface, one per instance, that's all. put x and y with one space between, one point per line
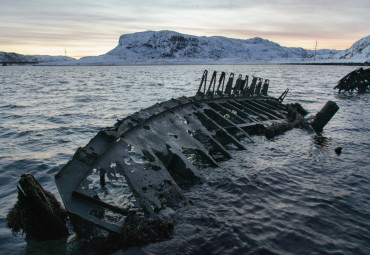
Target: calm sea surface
289 195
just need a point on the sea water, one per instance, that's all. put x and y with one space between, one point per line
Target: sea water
289 195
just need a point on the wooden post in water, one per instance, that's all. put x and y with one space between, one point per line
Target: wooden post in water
37 212
323 117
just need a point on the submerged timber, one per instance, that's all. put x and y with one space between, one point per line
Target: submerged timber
142 164
358 80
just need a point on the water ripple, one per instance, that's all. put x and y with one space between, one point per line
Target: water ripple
288 195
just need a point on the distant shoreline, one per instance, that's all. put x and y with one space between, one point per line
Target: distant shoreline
165 64
330 64
179 64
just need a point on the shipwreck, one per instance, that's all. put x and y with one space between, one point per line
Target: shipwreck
143 164
357 80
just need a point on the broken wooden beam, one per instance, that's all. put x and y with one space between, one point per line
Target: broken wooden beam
37 213
323 117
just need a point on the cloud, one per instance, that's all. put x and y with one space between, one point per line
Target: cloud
100 23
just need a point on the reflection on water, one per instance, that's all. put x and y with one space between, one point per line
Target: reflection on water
289 195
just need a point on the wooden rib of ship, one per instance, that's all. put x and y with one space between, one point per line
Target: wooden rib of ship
145 161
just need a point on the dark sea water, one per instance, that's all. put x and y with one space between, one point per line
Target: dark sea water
289 195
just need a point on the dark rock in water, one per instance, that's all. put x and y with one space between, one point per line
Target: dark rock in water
338 150
37 212
138 230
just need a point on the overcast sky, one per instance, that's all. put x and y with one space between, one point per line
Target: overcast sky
89 27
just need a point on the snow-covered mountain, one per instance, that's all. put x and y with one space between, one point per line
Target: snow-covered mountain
15 58
49 59
7 57
169 44
169 47
360 51
173 47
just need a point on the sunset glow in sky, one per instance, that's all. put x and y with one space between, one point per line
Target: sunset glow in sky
89 27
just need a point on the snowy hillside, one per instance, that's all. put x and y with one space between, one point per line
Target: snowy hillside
360 51
19 58
172 47
48 59
168 44
14 57
169 47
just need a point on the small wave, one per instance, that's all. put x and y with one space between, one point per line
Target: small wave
24 133
56 120
13 106
154 84
284 196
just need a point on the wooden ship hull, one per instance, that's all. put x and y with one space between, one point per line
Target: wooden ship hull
357 80
145 161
